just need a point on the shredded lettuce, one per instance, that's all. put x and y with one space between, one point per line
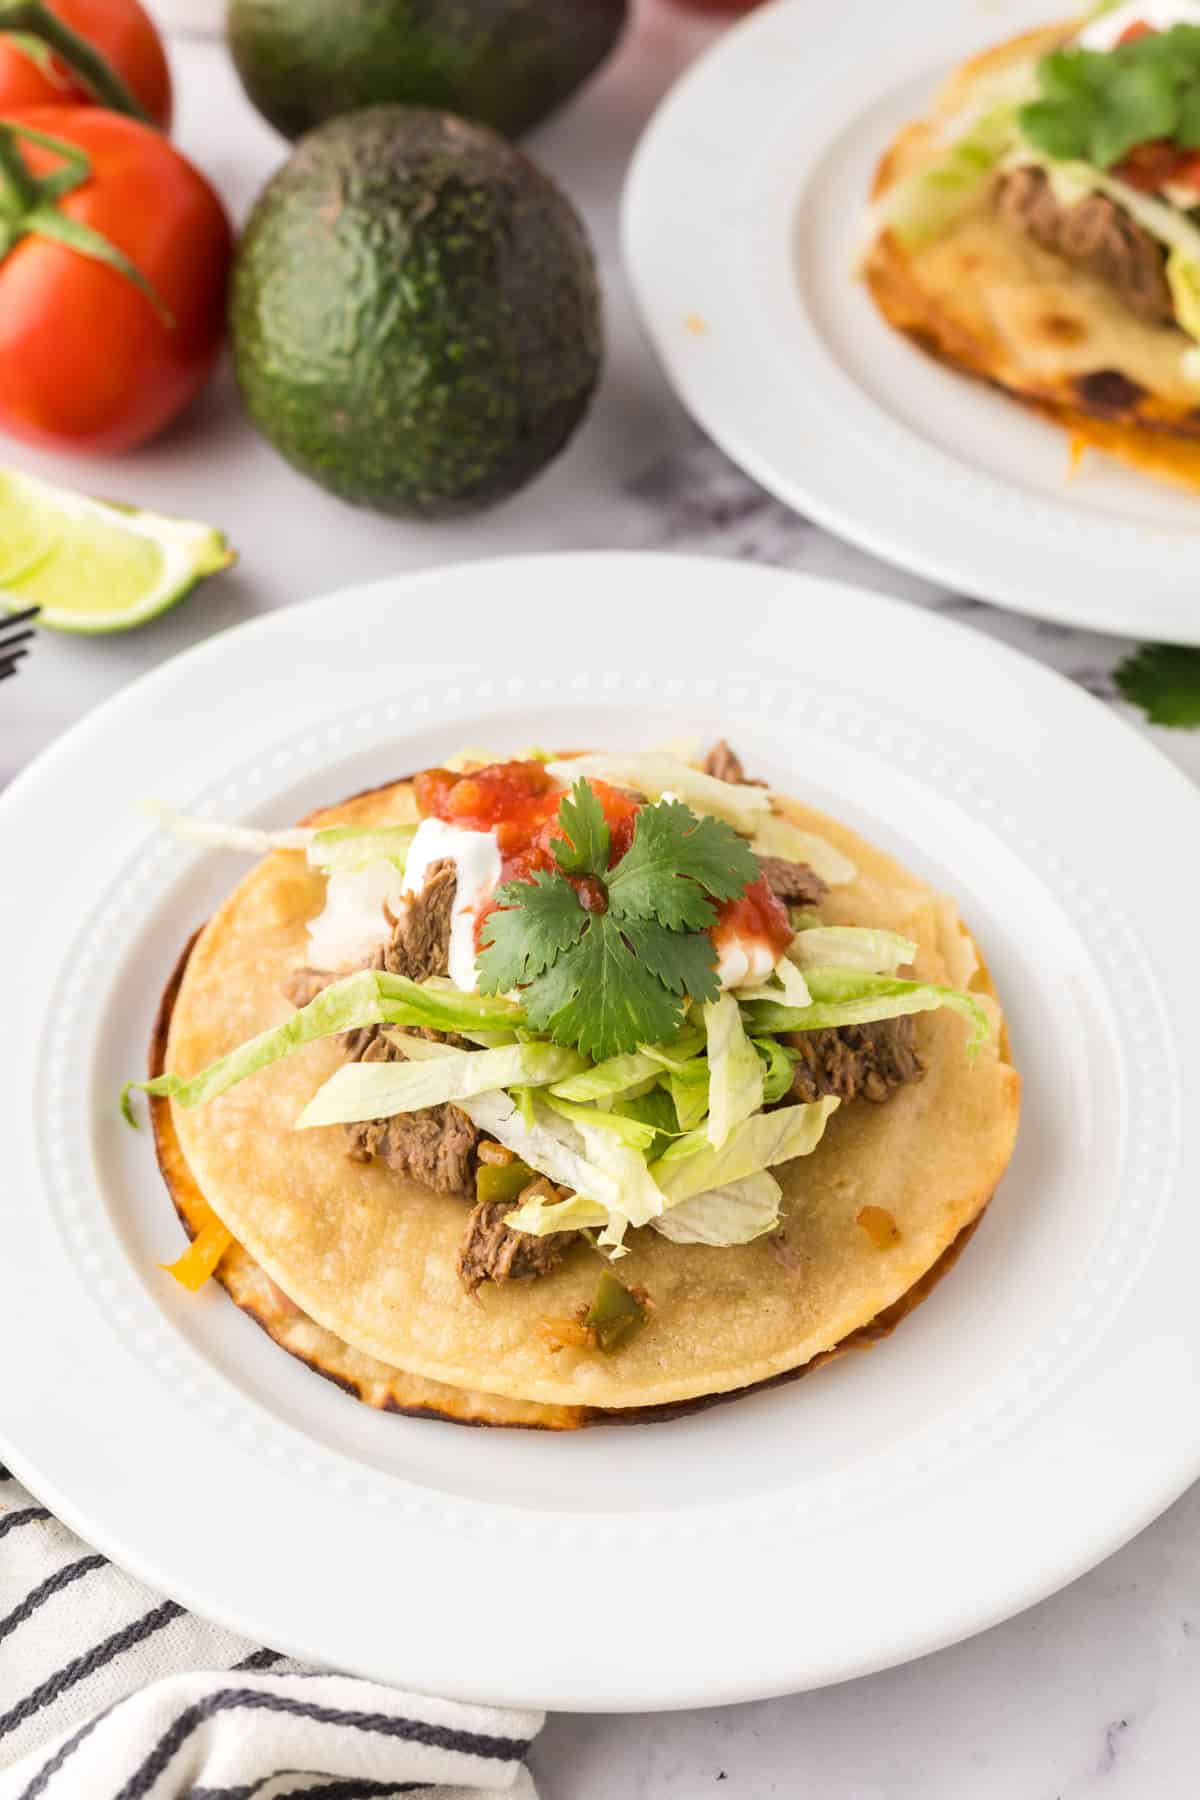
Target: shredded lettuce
848 997
540 1218
654 1108
851 947
690 1094
691 1165
586 1158
611 1080
380 1090
637 1133
345 1006
779 1068
735 1086
210 835
350 848
1183 276
655 774
785 985
777 836
680 1053
737 1213
927 202
327 848
368 998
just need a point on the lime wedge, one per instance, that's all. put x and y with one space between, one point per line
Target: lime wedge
92 566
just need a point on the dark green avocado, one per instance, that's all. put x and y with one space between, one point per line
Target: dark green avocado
506 63
415 315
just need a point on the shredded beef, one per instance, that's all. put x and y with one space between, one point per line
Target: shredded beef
792 881
420 942
436 1146
489 1251
724 763
1095 234
870 1061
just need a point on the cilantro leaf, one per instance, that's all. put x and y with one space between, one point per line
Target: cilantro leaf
1098 105
605 959
675 859
685 962
534 922
1164 680
584 850
599 998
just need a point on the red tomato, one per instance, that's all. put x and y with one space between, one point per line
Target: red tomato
125 37
1139 29
756 914
86 360
1148 166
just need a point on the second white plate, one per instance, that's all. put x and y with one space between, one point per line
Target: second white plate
743 217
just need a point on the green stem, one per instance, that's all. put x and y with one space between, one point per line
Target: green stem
28 207
96 74
18 189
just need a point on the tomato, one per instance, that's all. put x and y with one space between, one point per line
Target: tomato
757 914
1150 166
123 34
1139 29
87 362
520 802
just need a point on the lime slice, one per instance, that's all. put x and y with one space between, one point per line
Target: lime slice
92 566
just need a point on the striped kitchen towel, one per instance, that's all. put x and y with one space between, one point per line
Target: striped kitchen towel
109 1692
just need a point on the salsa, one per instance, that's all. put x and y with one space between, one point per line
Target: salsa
757 915
519 801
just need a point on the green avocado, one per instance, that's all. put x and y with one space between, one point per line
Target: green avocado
415 314
506 63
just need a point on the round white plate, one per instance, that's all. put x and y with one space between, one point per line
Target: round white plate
742 222
1034 1413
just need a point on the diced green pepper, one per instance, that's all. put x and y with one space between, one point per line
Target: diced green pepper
615 1314
497 1185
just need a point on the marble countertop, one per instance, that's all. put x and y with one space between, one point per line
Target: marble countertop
1092 1693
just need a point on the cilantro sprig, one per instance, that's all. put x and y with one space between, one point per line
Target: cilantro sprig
1164 680
1096 106
605 957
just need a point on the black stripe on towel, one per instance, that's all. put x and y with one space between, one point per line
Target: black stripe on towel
412 1731
348 1789
257 1659
53 1584
66 1749
82 1666
26 1515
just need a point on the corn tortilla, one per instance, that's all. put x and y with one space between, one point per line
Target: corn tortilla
368 1259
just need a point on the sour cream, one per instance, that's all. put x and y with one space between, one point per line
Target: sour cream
744 962
476 859
1106 31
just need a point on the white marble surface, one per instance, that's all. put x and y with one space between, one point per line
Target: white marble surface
1093 1693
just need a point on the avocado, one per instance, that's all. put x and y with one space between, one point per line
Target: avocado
506 63
415 314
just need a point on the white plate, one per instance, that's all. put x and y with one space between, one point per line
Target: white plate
1037 1411
743 216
